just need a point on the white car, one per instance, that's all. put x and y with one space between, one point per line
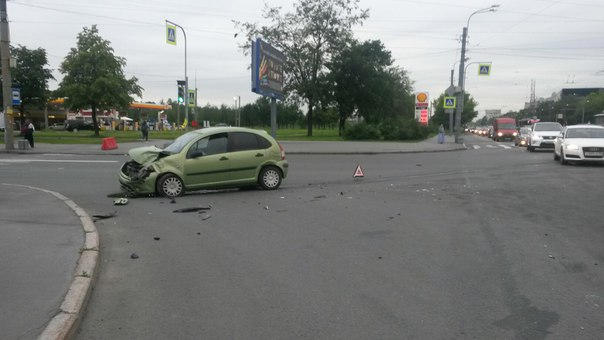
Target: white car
580 143
542 135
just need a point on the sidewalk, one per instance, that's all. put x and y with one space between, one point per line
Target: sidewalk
50 255
291 147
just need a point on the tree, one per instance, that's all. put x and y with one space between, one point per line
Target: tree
467 115
94 77
358 75
31 76
308 37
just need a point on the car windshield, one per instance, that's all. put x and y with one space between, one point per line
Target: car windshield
180 142
548 127
507 126
585 133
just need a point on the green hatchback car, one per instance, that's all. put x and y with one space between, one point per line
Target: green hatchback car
209 158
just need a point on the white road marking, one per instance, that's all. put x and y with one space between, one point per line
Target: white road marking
52 161
505 146
476 147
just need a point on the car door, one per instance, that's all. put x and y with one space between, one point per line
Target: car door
207 162
248 151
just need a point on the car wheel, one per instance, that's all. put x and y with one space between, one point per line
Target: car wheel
170 185
270 178
556 157
530 148
563 160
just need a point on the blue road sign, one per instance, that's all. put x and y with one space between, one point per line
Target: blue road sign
16 96
450 102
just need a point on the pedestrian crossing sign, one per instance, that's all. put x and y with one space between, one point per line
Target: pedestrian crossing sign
484 69
170 34
450 102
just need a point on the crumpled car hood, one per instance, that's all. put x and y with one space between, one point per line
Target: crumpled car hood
145 154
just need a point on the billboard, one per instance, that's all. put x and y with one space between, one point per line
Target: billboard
267 70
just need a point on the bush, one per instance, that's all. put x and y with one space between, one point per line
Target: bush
362 131
407 129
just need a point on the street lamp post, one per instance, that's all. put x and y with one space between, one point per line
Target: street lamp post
585 101
186 96
461 75
237 100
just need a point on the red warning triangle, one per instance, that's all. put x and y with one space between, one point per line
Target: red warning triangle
358 172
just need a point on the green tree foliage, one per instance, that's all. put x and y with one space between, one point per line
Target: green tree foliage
94 76
309 37
31 76
364 81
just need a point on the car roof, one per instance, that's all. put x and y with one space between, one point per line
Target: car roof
582 126
219 129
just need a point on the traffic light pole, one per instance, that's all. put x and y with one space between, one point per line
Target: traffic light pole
186 96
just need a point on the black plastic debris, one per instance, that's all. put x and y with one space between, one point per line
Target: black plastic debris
193 209
103 217
134 256
156 238
173 201
205 217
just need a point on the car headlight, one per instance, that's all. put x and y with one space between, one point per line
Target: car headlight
572 147
515 134
537 137
499 134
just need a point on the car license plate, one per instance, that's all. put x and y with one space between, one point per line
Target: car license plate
594 154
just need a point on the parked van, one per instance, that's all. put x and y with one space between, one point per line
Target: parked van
504 128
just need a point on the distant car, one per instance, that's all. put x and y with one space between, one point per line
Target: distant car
580 143
78 124
210 158
503 128
542 135
57 127
522 136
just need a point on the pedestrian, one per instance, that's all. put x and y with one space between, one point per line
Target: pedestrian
441 134
29 132
145 130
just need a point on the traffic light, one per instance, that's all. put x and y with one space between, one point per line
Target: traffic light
181 94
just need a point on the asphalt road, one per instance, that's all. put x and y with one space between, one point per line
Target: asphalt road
489 243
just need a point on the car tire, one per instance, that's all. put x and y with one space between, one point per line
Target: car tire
563 160
170 185
556 157
530 148
270 178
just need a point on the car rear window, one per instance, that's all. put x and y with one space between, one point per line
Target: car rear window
548 127
242 141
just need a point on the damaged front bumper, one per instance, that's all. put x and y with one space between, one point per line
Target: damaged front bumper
136 179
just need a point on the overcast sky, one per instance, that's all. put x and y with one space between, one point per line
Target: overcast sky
558 43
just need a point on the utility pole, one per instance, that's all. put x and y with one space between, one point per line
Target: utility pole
460 83
7 92
462 74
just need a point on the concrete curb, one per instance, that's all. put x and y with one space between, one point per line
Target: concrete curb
65 324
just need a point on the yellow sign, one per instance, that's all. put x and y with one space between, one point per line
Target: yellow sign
170 34
450 102
192 100
484 69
